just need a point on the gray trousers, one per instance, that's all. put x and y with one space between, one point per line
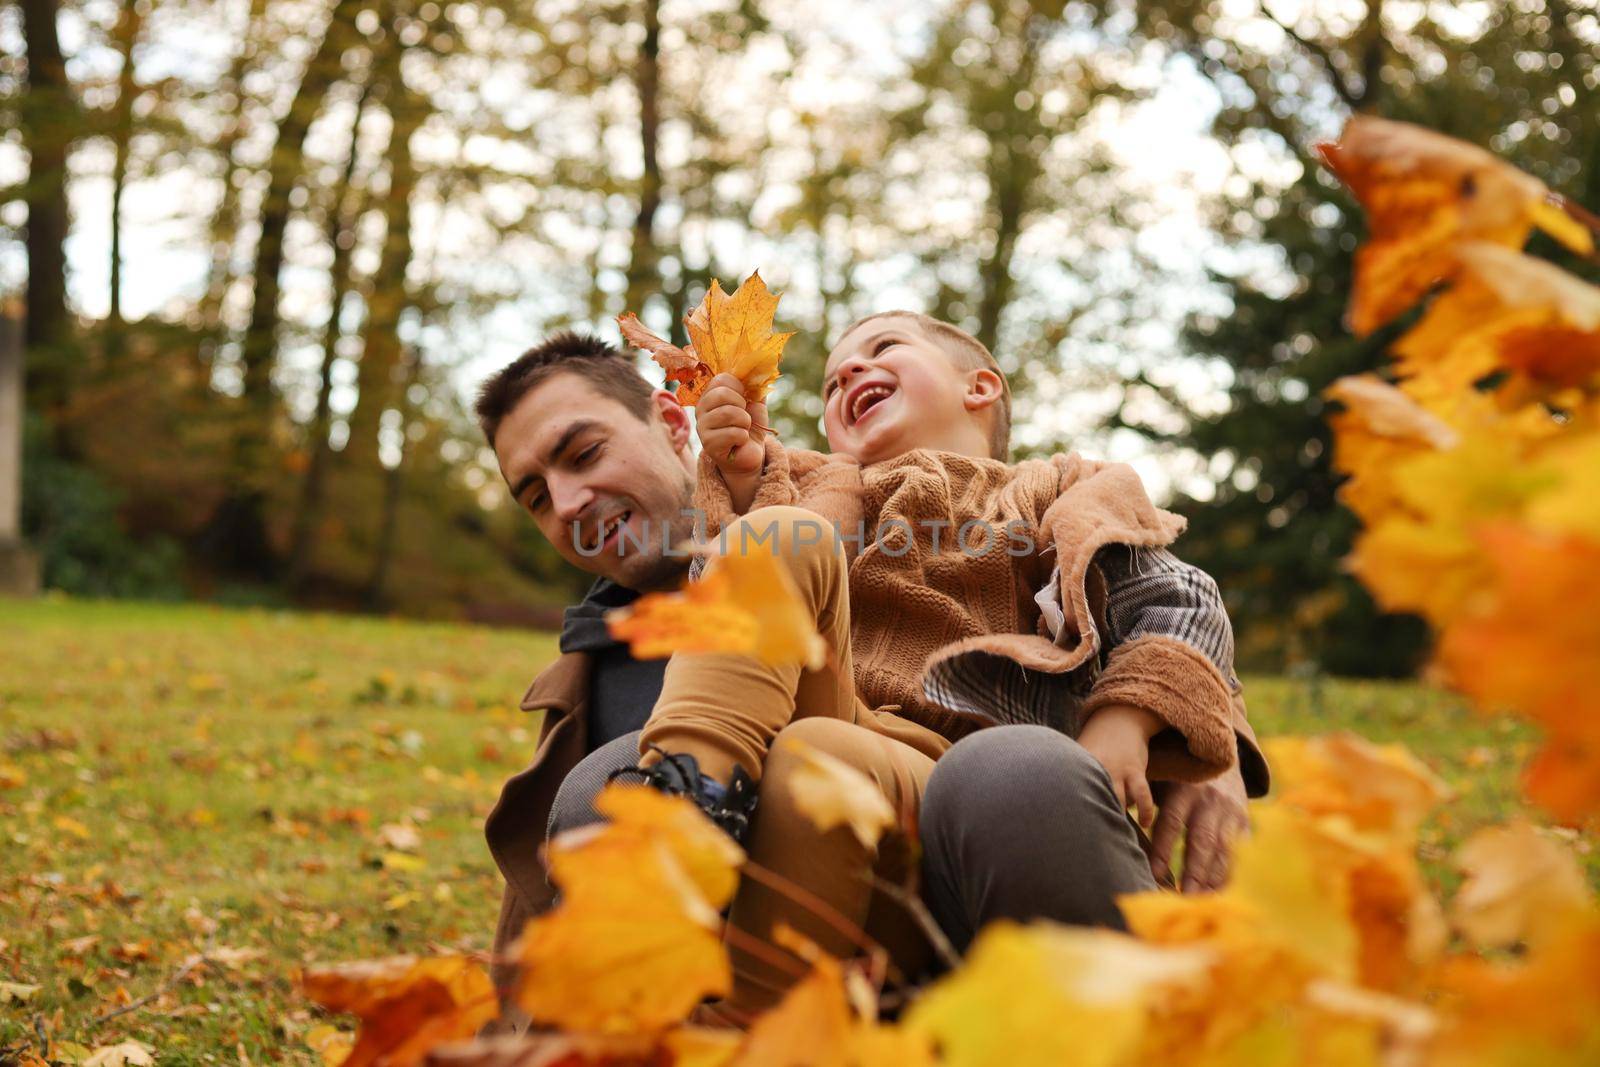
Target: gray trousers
1017 822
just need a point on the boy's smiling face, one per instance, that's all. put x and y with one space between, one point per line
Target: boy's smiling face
889 388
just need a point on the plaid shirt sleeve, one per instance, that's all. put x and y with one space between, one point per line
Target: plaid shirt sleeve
1149 591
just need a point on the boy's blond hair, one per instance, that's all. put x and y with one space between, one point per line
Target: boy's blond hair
967 353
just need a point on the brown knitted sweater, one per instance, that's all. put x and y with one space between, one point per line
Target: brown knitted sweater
916 611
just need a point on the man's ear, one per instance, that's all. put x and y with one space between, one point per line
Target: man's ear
675 417
984 387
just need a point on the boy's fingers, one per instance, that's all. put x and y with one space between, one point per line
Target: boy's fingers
758 416
723 395
1122 796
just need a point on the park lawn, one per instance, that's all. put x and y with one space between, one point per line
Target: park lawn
266 790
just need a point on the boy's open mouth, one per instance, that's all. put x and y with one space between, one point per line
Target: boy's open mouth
866 398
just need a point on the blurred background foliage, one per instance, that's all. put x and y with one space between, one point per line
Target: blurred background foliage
266 247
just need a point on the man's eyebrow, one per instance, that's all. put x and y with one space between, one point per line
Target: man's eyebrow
554 452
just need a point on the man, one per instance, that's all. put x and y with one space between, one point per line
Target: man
600 458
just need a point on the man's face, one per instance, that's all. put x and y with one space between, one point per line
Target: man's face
585 468
888 388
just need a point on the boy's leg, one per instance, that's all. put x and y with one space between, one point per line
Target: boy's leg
724 710
831 865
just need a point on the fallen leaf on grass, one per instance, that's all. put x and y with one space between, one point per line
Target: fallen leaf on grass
17 992
407 1006
124 1054
830 793
400 836
72 826
400 861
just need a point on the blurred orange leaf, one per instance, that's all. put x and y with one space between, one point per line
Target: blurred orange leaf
1507 652
1380 788
1424 193
745 604
406 1005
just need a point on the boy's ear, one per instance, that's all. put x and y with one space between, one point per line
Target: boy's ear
675 417
984 387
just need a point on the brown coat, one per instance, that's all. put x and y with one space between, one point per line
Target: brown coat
516 827
922 613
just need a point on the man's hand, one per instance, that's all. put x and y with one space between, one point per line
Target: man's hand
730 429
1119 737
1210 815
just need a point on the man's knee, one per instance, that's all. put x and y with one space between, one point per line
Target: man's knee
574 803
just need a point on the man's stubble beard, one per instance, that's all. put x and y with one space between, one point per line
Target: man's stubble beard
663 571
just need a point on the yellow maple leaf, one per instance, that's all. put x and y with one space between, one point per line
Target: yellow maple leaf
728 334
633 946
1045 995
745 604
829 792
1424 193
407 1006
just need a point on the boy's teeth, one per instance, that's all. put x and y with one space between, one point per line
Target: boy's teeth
876 392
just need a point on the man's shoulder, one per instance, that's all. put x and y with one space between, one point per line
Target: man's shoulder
561 684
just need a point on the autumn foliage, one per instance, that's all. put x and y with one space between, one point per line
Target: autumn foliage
1476 470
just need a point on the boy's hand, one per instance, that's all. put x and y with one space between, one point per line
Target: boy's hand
1119 737
730 429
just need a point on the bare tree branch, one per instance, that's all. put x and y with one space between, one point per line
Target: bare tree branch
1323 54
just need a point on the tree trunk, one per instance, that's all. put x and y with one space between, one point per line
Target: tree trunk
48 119
1013 168
236 536
343 221
224 229
377 597
129 23
643 274
380 357
284 172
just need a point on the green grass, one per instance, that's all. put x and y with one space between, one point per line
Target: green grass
200 779
182 779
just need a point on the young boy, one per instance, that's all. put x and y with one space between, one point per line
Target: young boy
1096 630
964 592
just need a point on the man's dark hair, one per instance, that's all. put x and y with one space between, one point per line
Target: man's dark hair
604 366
